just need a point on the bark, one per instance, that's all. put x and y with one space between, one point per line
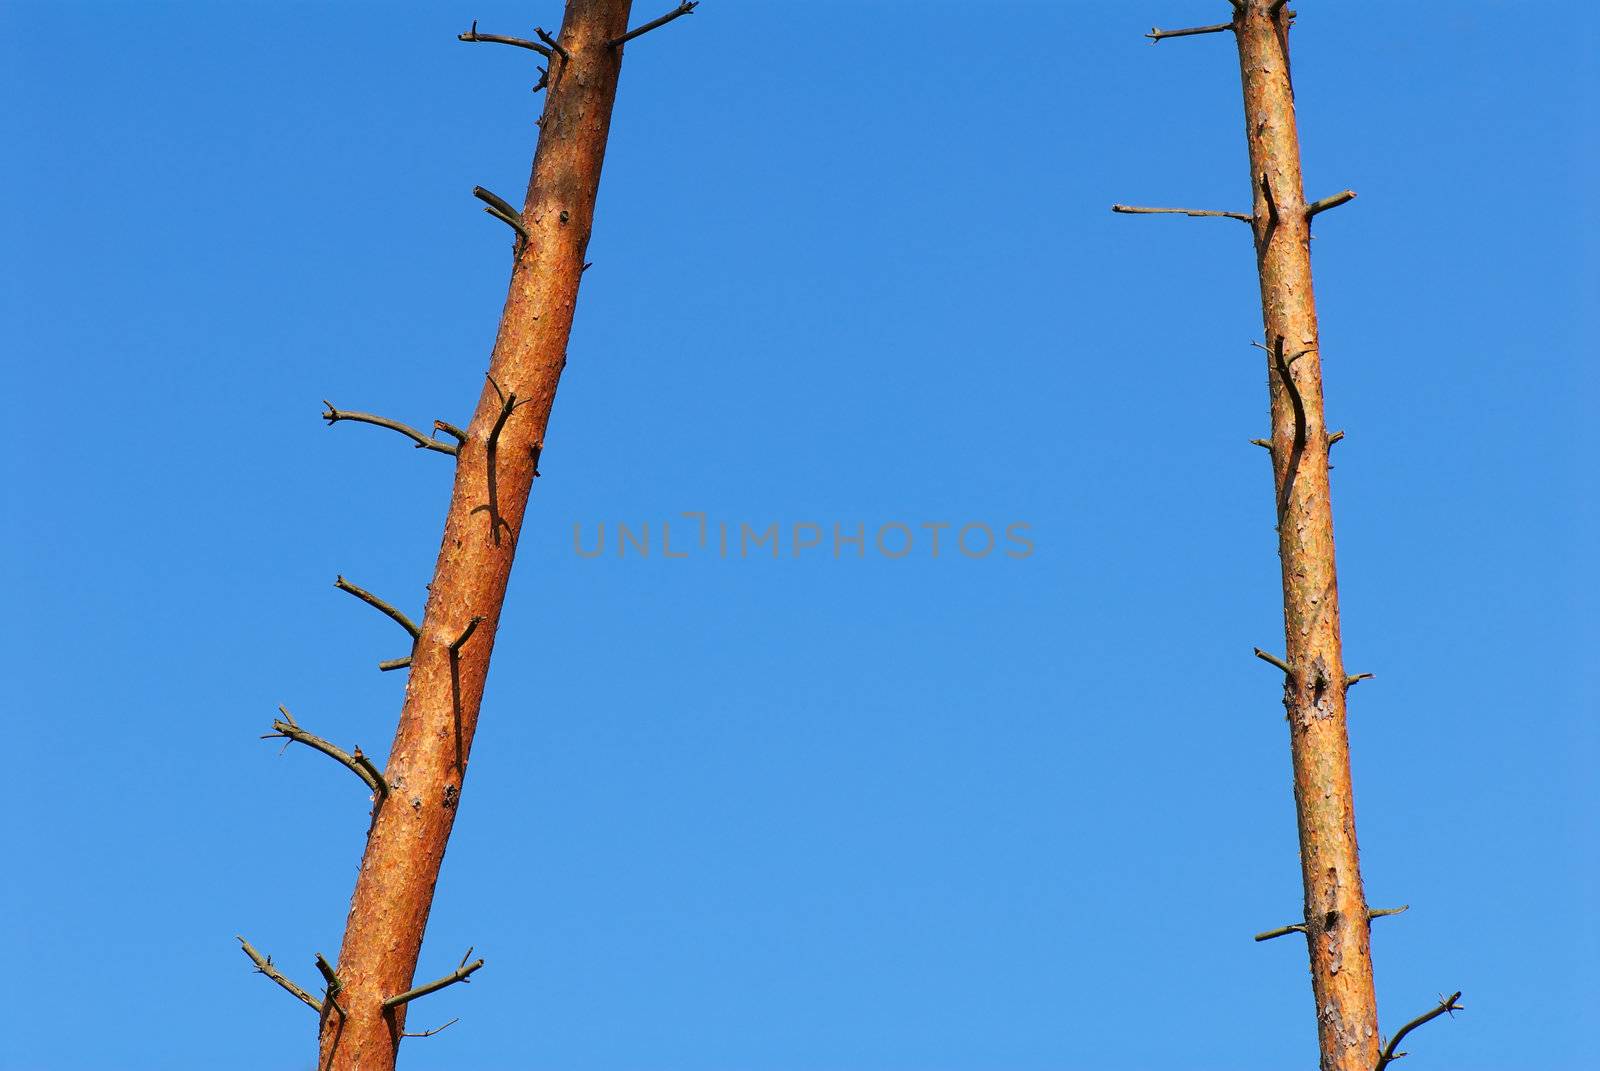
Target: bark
494 472
1337 924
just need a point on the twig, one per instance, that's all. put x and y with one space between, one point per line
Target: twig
1157 36
424 442
685 8
1272 207
1356 678
394 663
466 634
490 198
328 975
378 604
1134 210
334 986
1330 202
460 974
358 763
451 430
566 57
542 83
1447 1006
508 403
502 210
264 966
379 785
1335 437
1263 443
497 39
435 1030
1286 374
1274 660
1300 927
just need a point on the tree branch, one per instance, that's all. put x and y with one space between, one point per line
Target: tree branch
378 604
334 985
1157 36
1286 373
451 430
358 763
501 209
424 442
497 39
508 404
430 1033
1447 1006
1134 210
685 8
566 57
365 766
264 966
1275 660
1300 927
466 634
1272 209
460 974
1357 678
1330 202
394 663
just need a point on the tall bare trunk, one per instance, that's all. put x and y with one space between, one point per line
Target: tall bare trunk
1336 920
495 468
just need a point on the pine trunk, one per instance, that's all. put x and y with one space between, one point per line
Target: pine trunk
1336 920
495 469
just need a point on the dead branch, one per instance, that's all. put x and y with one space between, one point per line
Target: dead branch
430 1033
460 974
1300 927
566 57
1447 1006
286 727
424 442
1330 202
1286 374
451 430
501 210
264 966
685 8
1135 210
394 663
1263 443
1275 660
1357 678
508 404
378 604
365 766
497 39
466 634
1157 36
1272 203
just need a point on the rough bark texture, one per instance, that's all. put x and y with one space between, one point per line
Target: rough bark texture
1337 925
494 473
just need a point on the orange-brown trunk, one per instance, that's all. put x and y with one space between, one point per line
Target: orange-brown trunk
428 761
1337 925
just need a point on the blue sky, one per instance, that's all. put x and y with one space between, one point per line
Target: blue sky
854 265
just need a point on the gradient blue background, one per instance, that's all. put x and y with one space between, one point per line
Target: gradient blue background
852 263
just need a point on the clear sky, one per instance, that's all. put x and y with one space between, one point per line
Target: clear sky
853 265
